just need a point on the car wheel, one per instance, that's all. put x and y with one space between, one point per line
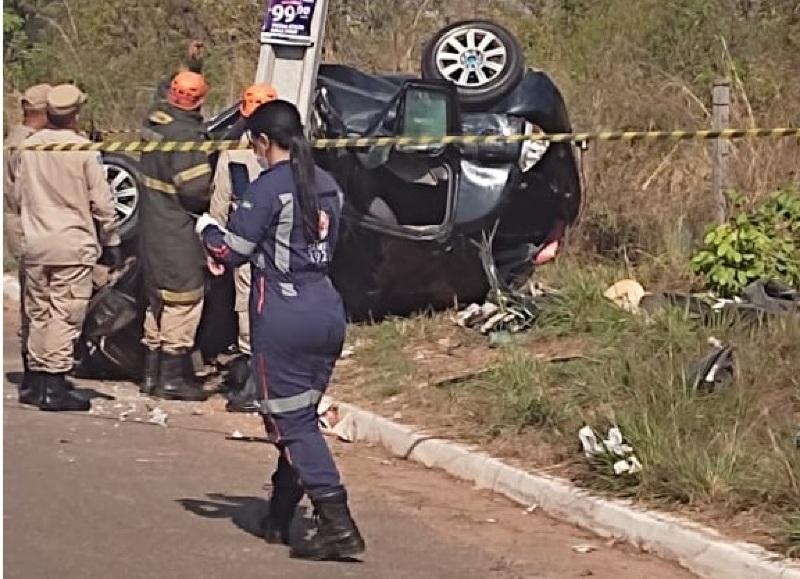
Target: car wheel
481 58
123 178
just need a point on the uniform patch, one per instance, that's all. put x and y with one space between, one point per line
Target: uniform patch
160 118
323 227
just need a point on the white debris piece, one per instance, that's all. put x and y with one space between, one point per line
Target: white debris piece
627 294
332 423
236 434
614 442
127 412
614 445
589 441
531 509
158 416
584 549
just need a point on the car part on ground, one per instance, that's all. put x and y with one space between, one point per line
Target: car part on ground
481 58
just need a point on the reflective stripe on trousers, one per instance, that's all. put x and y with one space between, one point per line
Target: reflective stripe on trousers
291 403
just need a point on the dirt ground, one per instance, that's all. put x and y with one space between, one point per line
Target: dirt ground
109 493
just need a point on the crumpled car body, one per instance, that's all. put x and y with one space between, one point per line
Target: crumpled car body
415 217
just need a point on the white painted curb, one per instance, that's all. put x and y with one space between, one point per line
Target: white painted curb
11 289
700 550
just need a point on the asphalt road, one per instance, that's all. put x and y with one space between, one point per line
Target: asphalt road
108 494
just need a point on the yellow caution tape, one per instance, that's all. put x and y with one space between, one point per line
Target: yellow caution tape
362 142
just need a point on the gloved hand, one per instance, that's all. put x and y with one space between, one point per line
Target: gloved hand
204 221
111 257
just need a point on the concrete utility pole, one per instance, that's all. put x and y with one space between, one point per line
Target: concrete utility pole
720 148
291 48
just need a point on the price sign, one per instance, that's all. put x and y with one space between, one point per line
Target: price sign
289 19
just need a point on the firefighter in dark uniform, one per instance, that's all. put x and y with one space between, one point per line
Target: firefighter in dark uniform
176 188
286 228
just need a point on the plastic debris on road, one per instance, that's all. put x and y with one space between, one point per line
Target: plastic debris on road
158 416
333 423
584 549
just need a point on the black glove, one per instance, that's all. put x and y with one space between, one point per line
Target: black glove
111 257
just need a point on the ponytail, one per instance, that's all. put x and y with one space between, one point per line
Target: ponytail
280 122
304 172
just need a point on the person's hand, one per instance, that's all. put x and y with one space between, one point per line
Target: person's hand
111 257
216 268
204 221
195 49
194 55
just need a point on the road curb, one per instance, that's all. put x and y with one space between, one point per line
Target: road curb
699 549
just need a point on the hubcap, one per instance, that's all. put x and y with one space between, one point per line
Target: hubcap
123 190
471 57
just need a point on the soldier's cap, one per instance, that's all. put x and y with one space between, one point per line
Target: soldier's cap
65 99
35 98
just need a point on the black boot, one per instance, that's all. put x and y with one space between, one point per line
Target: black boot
30 391
151 366
244 399
286 494
56 397
26 393
337 535
173 380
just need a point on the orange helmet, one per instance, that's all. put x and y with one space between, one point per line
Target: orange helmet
254 96
187 90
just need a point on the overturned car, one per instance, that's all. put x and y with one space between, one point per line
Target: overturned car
414 215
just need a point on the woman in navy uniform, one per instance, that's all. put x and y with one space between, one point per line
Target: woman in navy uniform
286 227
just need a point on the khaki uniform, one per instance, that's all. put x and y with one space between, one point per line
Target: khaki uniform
12 225
176 187
222 205
67 216
11 194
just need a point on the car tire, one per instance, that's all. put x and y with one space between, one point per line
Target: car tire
124 179
482 59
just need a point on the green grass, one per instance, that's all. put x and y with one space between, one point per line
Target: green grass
727 453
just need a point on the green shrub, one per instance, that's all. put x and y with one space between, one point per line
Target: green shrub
760 244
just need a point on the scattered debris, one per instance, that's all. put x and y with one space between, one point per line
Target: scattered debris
397 416
713 372
331 421
612 448
490 520
627 294
584 549
124 414
158 416
531 509
347 353
236 435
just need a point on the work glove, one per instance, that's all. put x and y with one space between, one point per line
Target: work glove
204 221
111 257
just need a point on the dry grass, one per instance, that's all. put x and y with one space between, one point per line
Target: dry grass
726 458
